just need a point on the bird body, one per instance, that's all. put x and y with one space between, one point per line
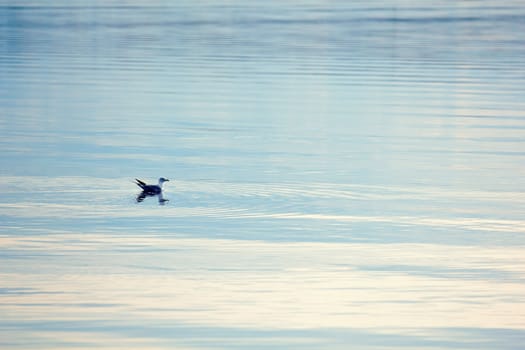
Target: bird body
151 189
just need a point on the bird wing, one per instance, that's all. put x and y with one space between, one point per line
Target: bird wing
140 183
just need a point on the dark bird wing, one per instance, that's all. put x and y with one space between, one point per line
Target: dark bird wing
140 183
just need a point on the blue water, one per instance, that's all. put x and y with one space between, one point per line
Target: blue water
343 175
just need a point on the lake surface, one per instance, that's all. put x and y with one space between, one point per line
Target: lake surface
343 175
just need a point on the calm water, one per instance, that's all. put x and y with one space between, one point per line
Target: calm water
345 175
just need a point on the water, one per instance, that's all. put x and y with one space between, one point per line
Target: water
343 175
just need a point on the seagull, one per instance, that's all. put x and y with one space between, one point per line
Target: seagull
151 189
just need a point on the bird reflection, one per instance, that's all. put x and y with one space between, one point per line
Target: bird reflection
145 194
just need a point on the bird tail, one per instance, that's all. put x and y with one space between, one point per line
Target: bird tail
140 183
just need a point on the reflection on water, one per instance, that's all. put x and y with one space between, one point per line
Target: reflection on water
344 175
160 287
144 194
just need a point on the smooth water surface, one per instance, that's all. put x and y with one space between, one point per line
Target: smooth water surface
344 175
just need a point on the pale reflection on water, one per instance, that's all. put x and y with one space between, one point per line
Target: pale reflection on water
410 290
344 175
